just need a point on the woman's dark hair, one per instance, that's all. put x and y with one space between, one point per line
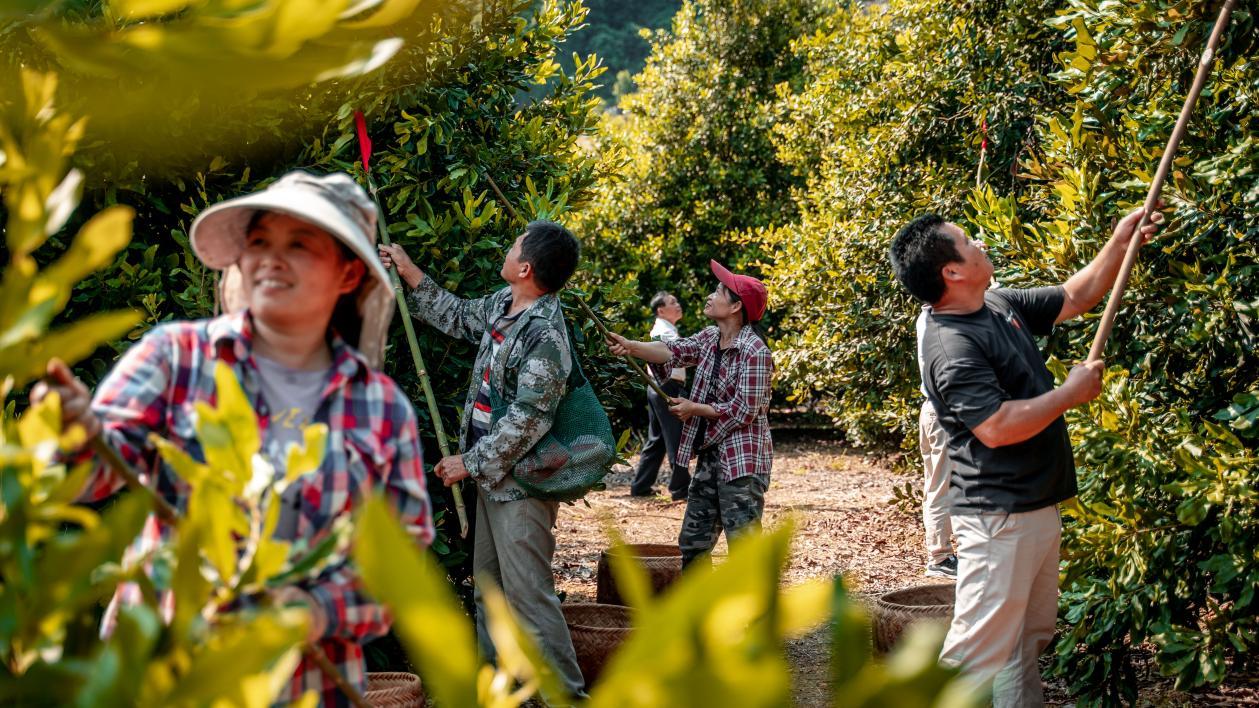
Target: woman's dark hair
919 250
553 251
345 318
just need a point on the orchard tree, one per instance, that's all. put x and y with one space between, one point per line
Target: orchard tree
701 171
900 109
904 107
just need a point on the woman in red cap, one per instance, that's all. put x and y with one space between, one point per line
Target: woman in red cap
725 421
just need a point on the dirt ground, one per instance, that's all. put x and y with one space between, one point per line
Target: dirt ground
846 524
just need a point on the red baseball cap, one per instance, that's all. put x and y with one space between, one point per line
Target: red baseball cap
750 290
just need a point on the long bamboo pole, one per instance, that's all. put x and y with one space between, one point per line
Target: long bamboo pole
1156 186
168 514
586 308
443 442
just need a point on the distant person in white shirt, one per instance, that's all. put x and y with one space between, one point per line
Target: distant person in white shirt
663 430
932 442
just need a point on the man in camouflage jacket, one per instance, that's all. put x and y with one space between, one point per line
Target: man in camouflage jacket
524 359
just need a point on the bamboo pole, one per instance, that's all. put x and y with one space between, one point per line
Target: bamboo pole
586 308
443 443
167 513
1156 186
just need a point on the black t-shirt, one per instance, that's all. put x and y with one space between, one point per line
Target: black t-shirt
974 363
702 431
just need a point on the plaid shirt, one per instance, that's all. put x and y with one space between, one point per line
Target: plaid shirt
740 394
372 443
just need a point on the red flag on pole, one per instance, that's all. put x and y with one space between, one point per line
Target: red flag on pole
364 142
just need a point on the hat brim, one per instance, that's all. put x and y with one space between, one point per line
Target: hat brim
731 281
218 233
723 274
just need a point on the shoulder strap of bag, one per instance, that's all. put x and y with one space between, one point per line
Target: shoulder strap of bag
576 377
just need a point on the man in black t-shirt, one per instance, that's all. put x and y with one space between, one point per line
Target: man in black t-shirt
1007 440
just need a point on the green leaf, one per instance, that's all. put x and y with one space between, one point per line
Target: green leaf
96 244
850 637
307 458
632 582
229 432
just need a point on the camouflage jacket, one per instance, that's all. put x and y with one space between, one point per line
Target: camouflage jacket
530 373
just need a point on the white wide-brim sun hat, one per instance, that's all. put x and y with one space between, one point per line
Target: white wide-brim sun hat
334 203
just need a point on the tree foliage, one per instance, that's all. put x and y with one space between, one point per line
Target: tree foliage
895 108
702 170
614 32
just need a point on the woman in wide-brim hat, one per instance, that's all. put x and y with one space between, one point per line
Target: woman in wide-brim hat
304 291
726 417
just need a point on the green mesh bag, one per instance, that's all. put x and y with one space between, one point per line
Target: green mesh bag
576 453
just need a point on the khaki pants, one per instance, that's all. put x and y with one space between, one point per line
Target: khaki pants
513 546
1007 601
935 485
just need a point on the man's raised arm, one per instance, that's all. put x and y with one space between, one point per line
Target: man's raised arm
1087 287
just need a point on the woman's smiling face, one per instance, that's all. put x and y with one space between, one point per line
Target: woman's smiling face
294 272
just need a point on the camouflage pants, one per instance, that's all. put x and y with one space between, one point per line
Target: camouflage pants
713 505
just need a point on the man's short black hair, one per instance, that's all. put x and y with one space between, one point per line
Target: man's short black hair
552 250
918 252
660 300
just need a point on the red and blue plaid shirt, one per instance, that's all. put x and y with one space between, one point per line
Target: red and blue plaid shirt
739 391
373 443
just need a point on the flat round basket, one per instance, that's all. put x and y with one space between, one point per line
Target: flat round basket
394 690
597 631
896 610
663 562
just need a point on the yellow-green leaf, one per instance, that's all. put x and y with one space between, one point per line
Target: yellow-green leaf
428 619
307 458
27 361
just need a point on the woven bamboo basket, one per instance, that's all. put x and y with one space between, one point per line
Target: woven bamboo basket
394 690
597 631
894 611
662 561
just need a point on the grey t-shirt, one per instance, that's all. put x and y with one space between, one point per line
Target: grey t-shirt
293 397
974 363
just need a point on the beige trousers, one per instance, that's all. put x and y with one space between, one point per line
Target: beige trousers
513 545
1007 601
935 485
